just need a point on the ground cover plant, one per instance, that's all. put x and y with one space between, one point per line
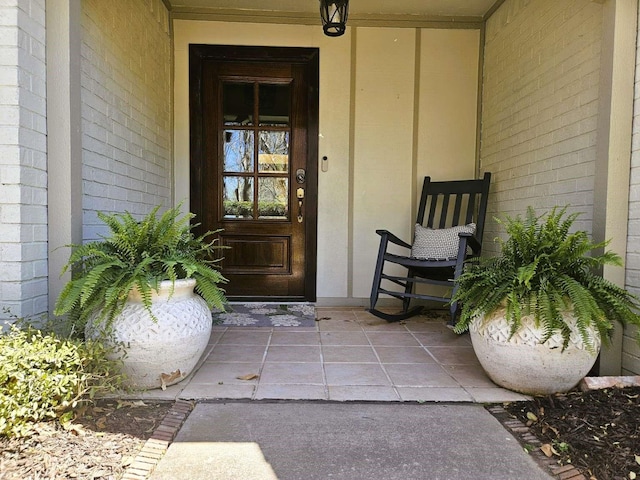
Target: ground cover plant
45 376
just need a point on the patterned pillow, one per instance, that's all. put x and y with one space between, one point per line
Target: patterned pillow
438 244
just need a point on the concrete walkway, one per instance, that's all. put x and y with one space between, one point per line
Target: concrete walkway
353 397
349 441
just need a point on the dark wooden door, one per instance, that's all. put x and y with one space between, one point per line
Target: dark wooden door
254 117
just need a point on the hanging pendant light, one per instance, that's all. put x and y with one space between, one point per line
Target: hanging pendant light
334 16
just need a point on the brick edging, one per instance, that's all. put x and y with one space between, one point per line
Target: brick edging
156 446
522 433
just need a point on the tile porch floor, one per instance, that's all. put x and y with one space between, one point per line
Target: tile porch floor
349 355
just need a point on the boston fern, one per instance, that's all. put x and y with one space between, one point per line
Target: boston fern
545 270
138 255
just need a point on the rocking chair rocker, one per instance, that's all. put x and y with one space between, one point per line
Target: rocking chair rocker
451 234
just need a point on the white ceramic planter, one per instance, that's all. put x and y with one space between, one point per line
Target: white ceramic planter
167 349
521 363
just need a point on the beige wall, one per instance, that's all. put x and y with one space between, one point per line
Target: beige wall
395 104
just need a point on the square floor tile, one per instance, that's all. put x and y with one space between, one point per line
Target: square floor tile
419 375
441 339
199 391
370 393
288 353
347 354
328 324
495 395
343 338
390 339
403 355
375 324
245 337
469 375
355 374
298 373
215 336
237 353
454 355
280 337
423 324
330 314
226 373
291 392
434 394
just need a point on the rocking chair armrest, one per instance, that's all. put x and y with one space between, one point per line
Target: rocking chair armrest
471 241
385 234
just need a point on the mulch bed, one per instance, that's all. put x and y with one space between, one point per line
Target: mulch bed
99 444
597 431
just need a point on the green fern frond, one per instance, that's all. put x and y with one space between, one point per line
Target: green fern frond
139 254
544 268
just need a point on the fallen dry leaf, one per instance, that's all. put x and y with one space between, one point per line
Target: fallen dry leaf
101 422
126 403
548 450
166 378
250 376
74 428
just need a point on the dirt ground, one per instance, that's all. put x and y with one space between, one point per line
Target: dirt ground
98 445
597 431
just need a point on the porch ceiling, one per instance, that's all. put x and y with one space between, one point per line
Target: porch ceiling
422 8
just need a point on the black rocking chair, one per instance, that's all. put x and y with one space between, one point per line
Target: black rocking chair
446 204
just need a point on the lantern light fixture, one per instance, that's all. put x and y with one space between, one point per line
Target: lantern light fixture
334 16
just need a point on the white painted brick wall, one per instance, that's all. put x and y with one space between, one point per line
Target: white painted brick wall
630 350
23 178
126 111
540 106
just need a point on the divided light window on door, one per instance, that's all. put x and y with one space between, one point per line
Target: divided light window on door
256 154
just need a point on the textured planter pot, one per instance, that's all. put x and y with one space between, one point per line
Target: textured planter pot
156 353
521 363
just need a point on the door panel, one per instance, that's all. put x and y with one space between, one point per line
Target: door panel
261 254
254 165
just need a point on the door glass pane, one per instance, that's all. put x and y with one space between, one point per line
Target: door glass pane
273 197
237 103
273 153
274 105
238 150
238 197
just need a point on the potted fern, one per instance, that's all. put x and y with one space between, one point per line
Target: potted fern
134 289
538 311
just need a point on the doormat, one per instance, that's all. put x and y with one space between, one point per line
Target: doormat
266 315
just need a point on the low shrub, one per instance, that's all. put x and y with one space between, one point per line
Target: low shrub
44 376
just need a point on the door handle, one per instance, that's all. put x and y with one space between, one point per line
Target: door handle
300 196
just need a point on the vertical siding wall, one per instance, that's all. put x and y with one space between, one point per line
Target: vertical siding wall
540 106
631 352
395 104
126 108
23 179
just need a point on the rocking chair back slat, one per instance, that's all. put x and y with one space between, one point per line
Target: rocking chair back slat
468 199
457 209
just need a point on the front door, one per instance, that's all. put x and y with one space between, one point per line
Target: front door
253 172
